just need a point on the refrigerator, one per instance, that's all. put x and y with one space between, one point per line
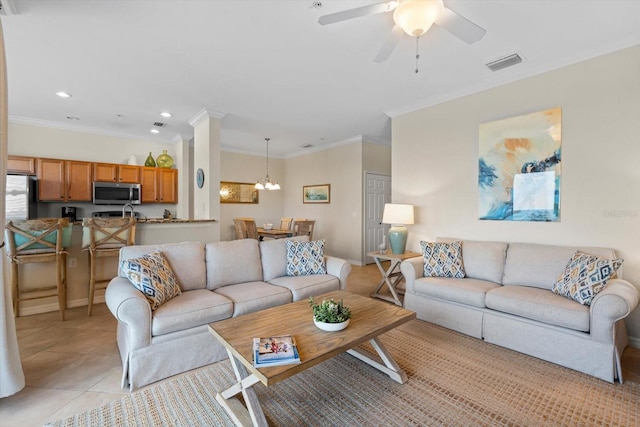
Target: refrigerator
21 197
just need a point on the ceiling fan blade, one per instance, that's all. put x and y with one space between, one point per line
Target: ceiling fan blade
389 44
460 26
358 12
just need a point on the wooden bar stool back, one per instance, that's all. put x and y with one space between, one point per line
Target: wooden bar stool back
103 237
238 226
39 240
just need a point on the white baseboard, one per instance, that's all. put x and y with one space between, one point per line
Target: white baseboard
46 308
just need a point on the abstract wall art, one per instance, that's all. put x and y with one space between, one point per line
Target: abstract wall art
519 168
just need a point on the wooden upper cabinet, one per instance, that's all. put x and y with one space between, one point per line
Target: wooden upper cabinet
21 165
168 185
105 172
79 181
159 185
64 180
149 185
111 172
51 180
129 174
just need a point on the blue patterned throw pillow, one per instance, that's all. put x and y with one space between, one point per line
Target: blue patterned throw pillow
152 275
305 258
585 276
443 259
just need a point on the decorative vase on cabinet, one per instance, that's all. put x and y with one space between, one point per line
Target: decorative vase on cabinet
164 160
150 162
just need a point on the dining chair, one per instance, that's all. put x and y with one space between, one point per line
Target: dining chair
251 229
304 228
238 226
41 240
285 223
103 237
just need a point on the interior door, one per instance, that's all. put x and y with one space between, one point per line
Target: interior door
377 193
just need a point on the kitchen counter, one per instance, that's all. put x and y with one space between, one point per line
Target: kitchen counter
171 221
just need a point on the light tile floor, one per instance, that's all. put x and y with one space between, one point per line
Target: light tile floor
74 365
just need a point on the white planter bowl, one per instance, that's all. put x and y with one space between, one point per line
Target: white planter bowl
331 327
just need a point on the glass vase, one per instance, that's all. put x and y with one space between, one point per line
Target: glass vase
164 160
150 162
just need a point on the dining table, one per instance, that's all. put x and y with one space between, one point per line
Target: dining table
274 233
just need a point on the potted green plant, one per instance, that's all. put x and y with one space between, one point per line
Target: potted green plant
330 315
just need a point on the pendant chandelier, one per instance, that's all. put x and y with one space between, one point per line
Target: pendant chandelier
265 183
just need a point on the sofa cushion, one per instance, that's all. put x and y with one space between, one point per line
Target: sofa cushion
191 309
584 276
186 260
540 305
254 296
305 258
442 259
530 264
152 275
464 291
273 254
229 263
302 287
482 260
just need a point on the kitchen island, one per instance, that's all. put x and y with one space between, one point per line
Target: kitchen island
149 231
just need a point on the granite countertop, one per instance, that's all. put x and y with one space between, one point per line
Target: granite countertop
171 221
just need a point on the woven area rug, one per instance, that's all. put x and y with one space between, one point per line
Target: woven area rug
454 380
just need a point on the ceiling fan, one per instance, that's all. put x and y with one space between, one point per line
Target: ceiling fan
413 17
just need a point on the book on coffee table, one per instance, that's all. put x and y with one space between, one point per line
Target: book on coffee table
274 351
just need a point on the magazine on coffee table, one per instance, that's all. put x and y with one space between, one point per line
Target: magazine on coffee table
274 351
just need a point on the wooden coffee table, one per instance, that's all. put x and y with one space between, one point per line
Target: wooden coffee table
370 318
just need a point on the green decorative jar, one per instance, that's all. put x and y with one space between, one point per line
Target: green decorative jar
164 160
150 162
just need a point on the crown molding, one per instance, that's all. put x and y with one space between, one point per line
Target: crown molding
85 129
203 114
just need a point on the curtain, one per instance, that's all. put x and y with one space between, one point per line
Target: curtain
11 375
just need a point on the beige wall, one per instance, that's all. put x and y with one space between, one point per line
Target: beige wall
435 158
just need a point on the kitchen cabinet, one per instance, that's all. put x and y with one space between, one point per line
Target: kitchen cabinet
64 180
111 172
159 185
21 165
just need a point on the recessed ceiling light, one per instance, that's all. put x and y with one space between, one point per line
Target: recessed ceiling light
154 131
63 94
165 114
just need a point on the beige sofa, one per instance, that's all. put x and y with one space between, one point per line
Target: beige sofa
218 280
506 299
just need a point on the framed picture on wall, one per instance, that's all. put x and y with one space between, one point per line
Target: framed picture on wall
238 192
316 193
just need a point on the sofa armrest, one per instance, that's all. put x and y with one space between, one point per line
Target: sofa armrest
132 309
339 268
412 269
614 302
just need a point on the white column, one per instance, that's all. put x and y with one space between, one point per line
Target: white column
206 153
185 177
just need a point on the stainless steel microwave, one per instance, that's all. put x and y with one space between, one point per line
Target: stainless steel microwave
111 193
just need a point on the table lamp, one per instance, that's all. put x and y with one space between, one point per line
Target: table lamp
398 216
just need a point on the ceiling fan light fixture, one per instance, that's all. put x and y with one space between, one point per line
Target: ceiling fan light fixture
415 17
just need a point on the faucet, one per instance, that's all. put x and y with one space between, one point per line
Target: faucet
124 209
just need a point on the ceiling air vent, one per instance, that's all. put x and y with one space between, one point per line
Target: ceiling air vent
307 146
504 62
159 124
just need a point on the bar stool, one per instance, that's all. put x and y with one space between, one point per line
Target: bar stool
41 240
103 237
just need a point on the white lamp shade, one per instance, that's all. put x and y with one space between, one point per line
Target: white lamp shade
395 213
415 17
